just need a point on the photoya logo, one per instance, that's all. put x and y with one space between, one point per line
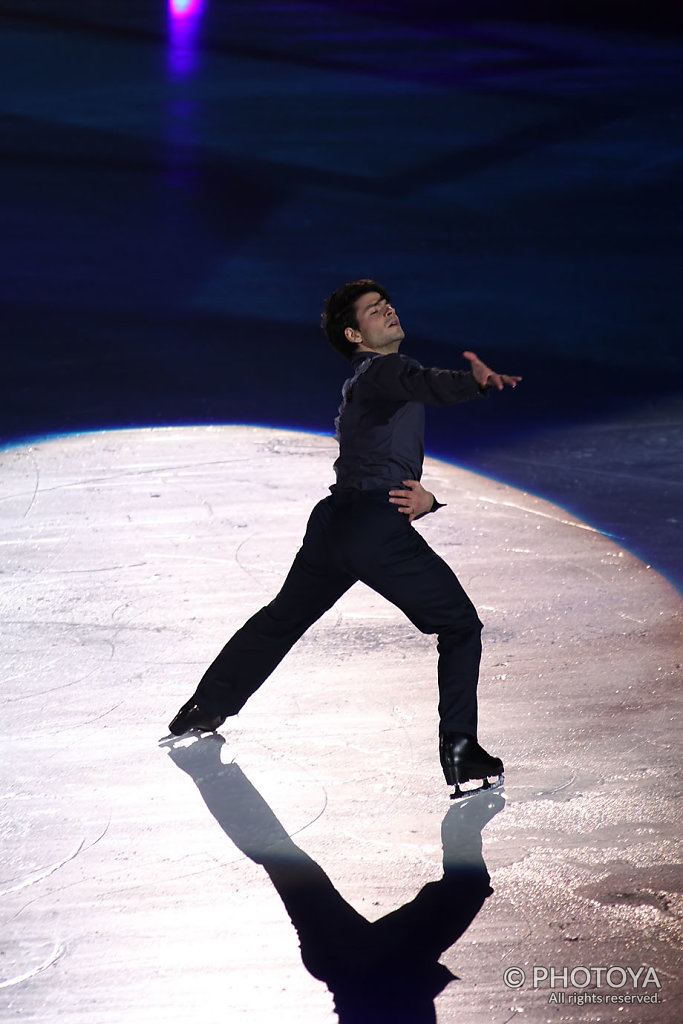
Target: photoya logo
584 977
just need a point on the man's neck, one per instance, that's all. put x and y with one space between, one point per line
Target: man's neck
364 350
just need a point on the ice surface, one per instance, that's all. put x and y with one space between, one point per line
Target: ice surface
141 878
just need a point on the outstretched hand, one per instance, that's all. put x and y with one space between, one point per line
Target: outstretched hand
486 377
414 502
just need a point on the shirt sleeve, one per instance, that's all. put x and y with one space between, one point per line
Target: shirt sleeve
397 379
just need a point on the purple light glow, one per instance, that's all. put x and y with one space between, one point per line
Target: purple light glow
184 19
184 8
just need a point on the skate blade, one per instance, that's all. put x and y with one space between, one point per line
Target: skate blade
459 793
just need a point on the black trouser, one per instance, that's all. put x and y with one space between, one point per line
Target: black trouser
354 535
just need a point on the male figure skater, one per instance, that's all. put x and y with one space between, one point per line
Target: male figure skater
362 531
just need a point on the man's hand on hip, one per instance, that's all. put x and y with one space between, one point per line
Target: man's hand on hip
414 502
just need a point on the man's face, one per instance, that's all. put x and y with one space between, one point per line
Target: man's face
379 328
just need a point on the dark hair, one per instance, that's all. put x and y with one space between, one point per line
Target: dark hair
340 313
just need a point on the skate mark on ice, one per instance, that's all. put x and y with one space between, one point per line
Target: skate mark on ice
558 789
602 473
124 476
517 1009
632 618
559 780
35 489
175 482
56 955
518 948
123 607
241 565
89 721
51 689
63 888
154 556
119 889
545 515
46 872
278 755
58 573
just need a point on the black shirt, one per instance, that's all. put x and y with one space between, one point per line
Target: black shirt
380 427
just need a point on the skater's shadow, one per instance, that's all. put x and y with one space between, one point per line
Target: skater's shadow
382 971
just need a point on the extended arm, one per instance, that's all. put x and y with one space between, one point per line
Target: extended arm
396 378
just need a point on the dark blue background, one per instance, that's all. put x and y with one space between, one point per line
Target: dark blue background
180 196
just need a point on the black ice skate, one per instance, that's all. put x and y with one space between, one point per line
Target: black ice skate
191 716
463 760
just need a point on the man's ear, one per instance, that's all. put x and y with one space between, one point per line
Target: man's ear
352 335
